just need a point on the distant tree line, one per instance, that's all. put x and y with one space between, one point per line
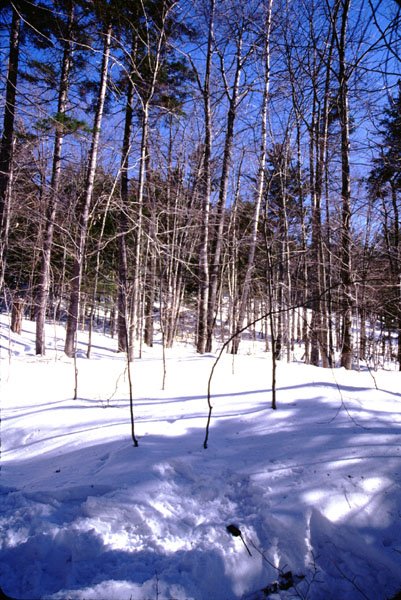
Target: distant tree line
240 160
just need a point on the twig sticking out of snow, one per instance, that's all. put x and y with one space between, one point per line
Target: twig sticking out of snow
280 571
344 406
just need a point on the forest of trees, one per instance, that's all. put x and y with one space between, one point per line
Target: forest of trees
204 164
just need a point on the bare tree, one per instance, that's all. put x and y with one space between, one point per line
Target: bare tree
79 257
155 41
206 186
234 96
260 177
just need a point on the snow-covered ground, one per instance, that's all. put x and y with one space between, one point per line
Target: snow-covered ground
314 487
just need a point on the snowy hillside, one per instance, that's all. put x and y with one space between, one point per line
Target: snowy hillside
314 487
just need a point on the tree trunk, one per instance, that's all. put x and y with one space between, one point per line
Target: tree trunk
326 334
78 263
123 326
203 301
275 349
6 147
151 262
215 267
51 209
17 314
150 291
316 266
345 271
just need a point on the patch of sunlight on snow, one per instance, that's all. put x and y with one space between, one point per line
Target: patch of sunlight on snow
13 537
335 506
121 540
339 506
339 463
375 484
173 544
315 496
276 554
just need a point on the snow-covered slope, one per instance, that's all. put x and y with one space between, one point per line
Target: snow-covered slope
314 487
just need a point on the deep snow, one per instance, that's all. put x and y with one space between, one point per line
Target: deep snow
315 487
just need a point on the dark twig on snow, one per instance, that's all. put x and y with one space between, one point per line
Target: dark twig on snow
344 406
352 582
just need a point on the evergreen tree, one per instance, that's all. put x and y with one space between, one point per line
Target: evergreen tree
28 23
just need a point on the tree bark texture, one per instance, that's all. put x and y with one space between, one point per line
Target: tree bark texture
345 270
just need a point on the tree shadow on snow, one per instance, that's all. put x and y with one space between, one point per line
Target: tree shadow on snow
75 560
318 496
